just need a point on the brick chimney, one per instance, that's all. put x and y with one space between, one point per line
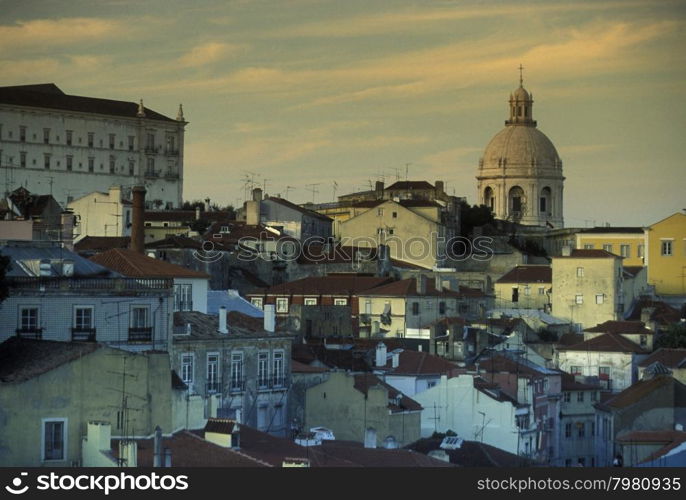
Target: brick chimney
138 222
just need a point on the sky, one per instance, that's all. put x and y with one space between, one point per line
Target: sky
291 93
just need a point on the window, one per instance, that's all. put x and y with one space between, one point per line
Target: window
22 134
46 160
91 137
579 299
310 301
131 142
132 167
579 272
641 251
187 368
150 166
70 162
542 206
527 291
588 246
582 461
54 439
91 164
139 317
568 430
515 294
592 429
625 250
83 317
575 370
395 215
183 297
340 302
567 397
379 212
257 302
441 308
171 144
46 136
236 371
262 370
112 164
277 368
150 144
604 372
69 137
600 298
580 396
213 372
28 319
666 248
112 141
415 308
644 340
281 305
607 247
22 159
581 428
594 396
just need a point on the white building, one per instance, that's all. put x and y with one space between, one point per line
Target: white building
67 145
102 214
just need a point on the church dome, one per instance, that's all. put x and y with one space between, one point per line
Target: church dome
521 94
520 146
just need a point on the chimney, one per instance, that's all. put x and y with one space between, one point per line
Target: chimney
222 320
138 222
395 359
67 223
370 438
207 205
566 251
380 354
270 317
440 187
257 195
197 213
167 457
438 284
252 213
128 453
157 448
379 189
421 284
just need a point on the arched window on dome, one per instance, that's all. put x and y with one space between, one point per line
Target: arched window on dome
516 203
545 205
489 198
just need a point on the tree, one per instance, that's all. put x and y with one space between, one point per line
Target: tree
472 216
674 337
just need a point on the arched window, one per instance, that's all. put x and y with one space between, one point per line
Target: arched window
489 198
516 202
545 206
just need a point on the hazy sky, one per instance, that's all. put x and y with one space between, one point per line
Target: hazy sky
317 91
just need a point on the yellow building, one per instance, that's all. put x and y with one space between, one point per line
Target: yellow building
587 287
666 255
627 242
526 287
411 229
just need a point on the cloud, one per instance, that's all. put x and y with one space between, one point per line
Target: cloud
14 72
39 32
585 149
208 53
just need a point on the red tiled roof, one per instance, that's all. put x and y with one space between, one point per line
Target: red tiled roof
671 439
528 274
638 391
474 454
662 313
240 230
174 242
617 327
366 380
569 383
356 455
183 215
100 243
504 364
606 343
326 285
135 265
408 288
671 358
190 450
418 363
493 391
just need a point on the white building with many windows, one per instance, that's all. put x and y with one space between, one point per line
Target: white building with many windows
69 146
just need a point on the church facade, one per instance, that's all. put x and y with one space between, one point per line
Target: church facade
520 174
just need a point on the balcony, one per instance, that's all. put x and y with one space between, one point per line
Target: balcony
30 333
140 334
236 386
83 334
152 174
279 383
213 387
89 284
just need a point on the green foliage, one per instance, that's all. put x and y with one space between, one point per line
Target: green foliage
674 337
472 216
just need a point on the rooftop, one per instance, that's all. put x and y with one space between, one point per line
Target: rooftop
612 229
184 215
409 185
528 274
473 454
298 208
326 285
364 381
636 392
135 265
589 254
417 363
48 95
617 327
606 343
570 383
408 288
94 244
26 259
671 358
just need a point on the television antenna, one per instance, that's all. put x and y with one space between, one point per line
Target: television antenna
313 189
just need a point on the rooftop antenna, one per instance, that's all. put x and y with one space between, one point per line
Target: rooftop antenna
407 170
264 185
288 188
397 173
313 189
335 188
